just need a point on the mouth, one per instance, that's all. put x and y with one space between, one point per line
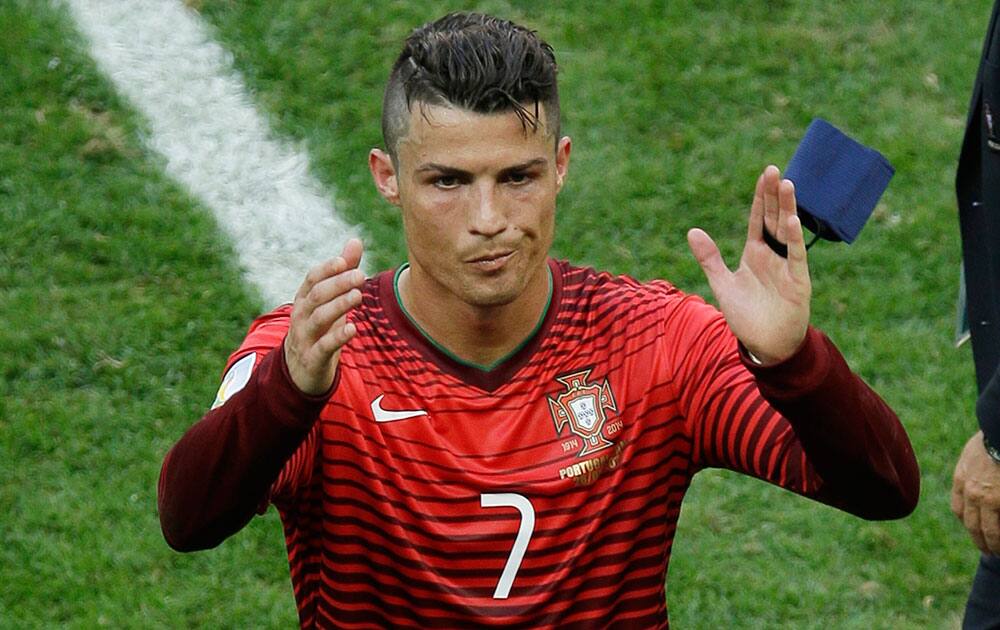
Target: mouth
493 261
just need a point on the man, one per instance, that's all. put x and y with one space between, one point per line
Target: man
975 495
486 436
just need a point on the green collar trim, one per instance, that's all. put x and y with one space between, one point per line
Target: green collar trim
448 353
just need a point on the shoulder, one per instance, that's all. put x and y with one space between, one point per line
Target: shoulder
589 287
264 334
629 309
581 280
272 322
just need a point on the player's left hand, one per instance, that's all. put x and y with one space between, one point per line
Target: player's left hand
766 300
975 495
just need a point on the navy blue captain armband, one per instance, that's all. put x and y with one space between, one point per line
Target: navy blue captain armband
838 181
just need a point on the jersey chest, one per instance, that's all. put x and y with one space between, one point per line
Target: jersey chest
495 496
544 433
509 504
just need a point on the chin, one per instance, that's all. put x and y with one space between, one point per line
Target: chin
499 290
491 298
492 291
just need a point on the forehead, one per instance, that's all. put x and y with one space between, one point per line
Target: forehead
466 139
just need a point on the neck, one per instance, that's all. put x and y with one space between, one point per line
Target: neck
480 335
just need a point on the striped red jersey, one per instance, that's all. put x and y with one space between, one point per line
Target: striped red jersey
542 492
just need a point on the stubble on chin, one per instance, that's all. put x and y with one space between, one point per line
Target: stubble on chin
479 294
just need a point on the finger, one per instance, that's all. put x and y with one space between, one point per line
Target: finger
786 207
970 518
335 339
320 272
327 315
989 521
351 253
771 206
334 286
755 227
706 252
350 258
798 261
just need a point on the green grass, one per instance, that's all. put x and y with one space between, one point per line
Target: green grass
120 302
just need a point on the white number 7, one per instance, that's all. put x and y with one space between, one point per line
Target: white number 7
523 506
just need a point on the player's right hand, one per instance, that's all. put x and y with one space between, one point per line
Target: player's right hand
319 326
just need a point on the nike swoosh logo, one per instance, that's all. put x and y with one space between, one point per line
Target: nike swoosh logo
385 415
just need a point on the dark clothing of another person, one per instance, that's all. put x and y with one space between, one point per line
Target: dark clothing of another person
978 188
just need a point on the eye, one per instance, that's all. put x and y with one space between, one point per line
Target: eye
518 178
446 182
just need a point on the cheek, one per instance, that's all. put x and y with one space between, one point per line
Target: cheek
536 213
420 232
429 224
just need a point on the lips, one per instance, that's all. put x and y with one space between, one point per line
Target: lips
493 261
492 256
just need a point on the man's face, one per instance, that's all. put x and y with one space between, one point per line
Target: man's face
478 199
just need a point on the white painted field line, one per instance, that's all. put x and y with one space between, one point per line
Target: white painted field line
162 57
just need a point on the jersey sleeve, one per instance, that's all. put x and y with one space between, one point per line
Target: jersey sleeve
808 424
730 423
250 447
267 333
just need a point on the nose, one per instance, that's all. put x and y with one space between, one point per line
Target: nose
487 216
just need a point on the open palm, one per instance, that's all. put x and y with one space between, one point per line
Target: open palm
766 299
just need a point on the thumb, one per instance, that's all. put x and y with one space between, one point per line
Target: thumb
706 252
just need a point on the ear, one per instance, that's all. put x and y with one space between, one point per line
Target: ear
384 174
562 160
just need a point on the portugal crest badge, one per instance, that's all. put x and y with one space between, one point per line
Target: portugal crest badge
582 406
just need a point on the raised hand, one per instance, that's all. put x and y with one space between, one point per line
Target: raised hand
766 300
319 326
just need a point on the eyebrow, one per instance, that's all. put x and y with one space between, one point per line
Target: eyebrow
451 170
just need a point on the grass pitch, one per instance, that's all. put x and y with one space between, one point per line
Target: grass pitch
120 301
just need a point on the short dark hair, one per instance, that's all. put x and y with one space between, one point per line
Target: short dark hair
474 61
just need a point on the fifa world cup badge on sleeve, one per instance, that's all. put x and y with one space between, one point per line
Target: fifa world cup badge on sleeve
235 379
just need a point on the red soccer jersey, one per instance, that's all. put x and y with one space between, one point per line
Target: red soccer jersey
543 492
